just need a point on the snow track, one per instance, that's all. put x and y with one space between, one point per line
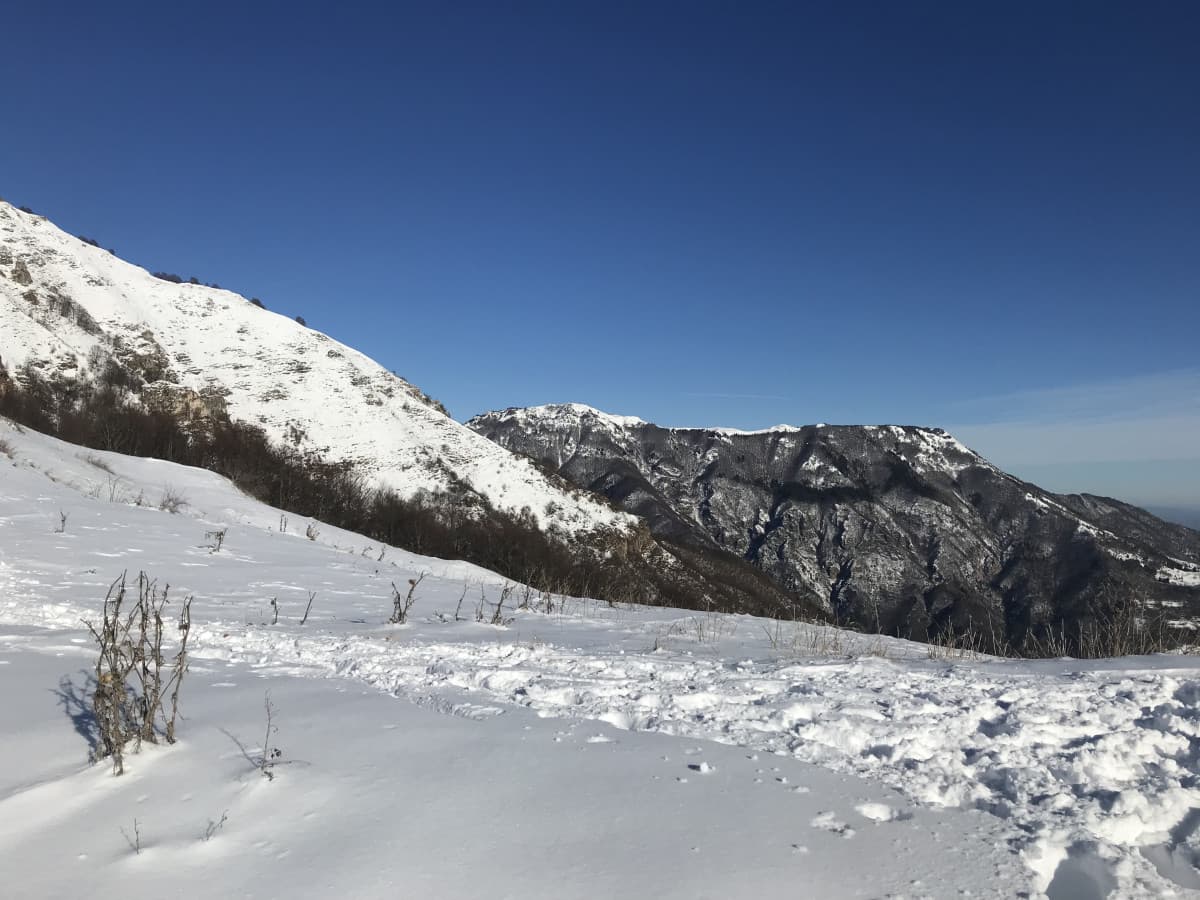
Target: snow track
1102 759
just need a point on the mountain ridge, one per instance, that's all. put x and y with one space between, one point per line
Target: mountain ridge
897 528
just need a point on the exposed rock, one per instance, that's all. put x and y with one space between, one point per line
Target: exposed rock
145 357
181 402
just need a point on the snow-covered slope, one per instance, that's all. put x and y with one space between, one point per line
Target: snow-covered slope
67 307
579 750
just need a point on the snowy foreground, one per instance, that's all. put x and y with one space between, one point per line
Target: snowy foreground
576 751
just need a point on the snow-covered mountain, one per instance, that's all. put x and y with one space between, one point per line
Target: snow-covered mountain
68 307
899 528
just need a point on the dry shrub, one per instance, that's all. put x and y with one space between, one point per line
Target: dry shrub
137 689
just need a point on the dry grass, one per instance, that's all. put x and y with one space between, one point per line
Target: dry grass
1128 629
807 639
100 464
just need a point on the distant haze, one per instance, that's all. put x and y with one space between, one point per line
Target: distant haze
1188 517
1136 439
1166 488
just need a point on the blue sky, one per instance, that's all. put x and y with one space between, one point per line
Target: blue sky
979 216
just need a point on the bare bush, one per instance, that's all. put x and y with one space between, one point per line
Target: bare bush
62 523
498 617
137 690
312 532
171 501
401 605
113 489
7 449
216 539
270 756
526 598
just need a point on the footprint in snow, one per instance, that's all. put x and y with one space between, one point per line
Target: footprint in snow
831 823
703 768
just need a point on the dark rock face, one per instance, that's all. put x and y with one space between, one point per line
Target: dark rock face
896 529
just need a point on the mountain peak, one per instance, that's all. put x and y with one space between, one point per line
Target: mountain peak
564 413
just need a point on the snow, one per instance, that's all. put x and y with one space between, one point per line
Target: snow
578 413
773 429
937 450
580 750
1189 577
574 413
295 382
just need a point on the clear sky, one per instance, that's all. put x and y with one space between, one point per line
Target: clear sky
984 216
